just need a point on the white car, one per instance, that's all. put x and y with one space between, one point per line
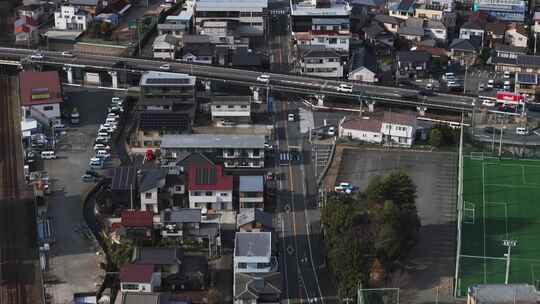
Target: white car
522 131
490 84
488 103
37 56
290 117
102 147
345 88
165 67
344 187
331 131
116 100
263 78
67 54
506 75
112 115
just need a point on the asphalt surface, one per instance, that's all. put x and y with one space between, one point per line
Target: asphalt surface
278 82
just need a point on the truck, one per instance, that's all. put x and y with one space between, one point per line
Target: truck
74 117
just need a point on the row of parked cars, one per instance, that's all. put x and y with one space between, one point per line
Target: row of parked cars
102 145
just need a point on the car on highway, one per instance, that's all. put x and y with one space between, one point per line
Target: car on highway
37 56
345 88
264 78
165 67
522 131
488 103
67 54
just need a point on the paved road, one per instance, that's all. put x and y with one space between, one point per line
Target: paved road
278 82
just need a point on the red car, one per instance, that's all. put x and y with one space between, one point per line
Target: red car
149 155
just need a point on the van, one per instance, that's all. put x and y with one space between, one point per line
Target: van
345 88
48 155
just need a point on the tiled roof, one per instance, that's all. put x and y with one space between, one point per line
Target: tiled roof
202 178
249 215
413 56
131 273
403 118
38 88
135 218
362 124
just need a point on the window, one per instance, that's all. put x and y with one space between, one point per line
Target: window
242 265
218 107
223 194
208 193
230 107
130 286
148 195
196 193
342 41
243 107
320 39
48 108
178 188
332 40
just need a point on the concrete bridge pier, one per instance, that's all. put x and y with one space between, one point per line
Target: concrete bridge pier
69 72
421 110
256 96
320 100
114 78
371 106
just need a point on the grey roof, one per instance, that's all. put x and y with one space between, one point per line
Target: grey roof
373 29
230 100
249 215
253 244
124 178
500 47
251 184
329 21
153 78
145 298
473 25
413 56
196 39
367 2
251 286
208 229
157 255
236 5
462 45
209 141
528 61
435 24
411 29
185 215
174 180
504 294
317 51
83 2
150 179
388 19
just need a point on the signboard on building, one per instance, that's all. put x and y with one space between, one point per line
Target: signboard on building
510 98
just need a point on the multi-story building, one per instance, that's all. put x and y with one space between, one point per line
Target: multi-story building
235 151
208 187
152 125
504 10
139 278
247 17
320 61
166 46
41 95
236 109
164 91
398 129
251 192
516 35
177 25
403 9
253 253
71 18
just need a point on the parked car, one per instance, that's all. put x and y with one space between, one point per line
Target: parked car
506 75
522 131
149 155
331 131
344 187
102 147
490 84
48 155
488 103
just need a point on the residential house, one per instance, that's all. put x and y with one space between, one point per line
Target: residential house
251 288
235 151
464 51
33 11
361 128
152 125
175 189
71 18
167 261
178 25
253 220
124 186
138 278
110 18
503 55
198 49
305 14
363 66
164 91
251 191
391 24
403 9
368 6
412 29
503 10
151 182
527 83
472 28
253 253
332 33
26 31
246 59
436 30
373 31
431 11
413 64
138 225
516 35
399 129
93 7
520 64
231 108
247 16
41 95
495 33
320 61
502 293
181 223
166 46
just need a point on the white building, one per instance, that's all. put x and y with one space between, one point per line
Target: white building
177 25
246 16
253 252
233 108
71 18
208 187
166 46
361 128
516 35
398 129
139 278
320 61
150 184
251 192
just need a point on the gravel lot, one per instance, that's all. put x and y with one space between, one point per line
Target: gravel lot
435 176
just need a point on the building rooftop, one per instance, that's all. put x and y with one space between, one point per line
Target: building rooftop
504 294
157 255
131 273
153 78
252 286
317 51
250 215
151 178
253 183
208 177
37 88
184 215
231 5
231 100
124 178
362 124
307 8
145 298
135 218
84 2
213 141
413 56
527 78
253 244
403 118
159 120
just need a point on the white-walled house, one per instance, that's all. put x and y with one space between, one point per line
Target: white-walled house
318 60
139 278
516 35
398 129
361 128
253 252
166 46
41 95
71 18
150 184
208 187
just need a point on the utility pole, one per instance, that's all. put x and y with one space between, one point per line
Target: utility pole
465 79
500 138
509 244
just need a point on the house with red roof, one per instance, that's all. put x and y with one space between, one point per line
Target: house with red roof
207 185
139 278
41 94
138 225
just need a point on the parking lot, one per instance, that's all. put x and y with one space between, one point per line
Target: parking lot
74 264
434 174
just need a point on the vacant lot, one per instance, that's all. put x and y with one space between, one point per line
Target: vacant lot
432 263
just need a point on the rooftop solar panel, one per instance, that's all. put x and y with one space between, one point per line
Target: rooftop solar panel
527 78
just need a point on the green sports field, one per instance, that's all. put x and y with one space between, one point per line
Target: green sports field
501 201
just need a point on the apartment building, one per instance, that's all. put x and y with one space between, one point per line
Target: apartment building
504 10
71 18
235 151
236 109
253 253
178 25
251 192
321 61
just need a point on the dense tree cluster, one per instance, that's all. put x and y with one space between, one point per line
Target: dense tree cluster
370 233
